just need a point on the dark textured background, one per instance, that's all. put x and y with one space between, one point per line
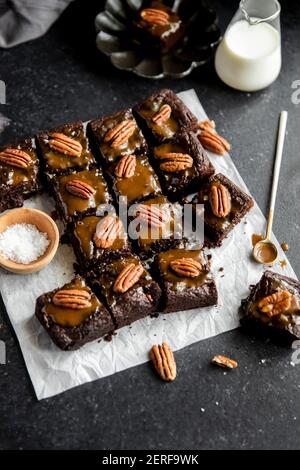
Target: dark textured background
62 77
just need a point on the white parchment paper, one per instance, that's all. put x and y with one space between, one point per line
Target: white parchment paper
53 371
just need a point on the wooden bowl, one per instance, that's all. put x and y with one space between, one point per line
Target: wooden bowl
45 224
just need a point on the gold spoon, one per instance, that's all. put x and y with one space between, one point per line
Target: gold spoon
265 251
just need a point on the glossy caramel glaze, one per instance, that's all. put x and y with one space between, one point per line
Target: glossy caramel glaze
168 128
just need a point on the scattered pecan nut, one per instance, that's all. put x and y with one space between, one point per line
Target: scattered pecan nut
225 362
207 125
155 16
15 157
214 142
151 215
63 144
128 277
80 188
162 115
107 231
186 267
120 134
126 166
173 162
220 200
164 362
276 303
74 299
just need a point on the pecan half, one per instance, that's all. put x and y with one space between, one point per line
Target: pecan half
119 134
220 200
225 362
80 189
164 362
186 267
74 299
151 215
107 231
214 142
276 303
173 162
126 166
155 16
128 277
162 115
15 157
63 144
207 125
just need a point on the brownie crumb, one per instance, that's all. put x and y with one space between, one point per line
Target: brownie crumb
221 269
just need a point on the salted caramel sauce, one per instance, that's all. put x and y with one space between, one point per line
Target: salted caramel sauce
68 317
168 128
266 252
256 238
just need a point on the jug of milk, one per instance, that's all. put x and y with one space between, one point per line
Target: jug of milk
249 55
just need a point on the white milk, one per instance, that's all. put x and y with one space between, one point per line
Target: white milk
249 56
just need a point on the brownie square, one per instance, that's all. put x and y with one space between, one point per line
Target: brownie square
139 300
157 27
155 225
65 149
116 135
19 167
140 184
80 193
185 280
90 257
182 163
164 115
72 315
277 316
219 220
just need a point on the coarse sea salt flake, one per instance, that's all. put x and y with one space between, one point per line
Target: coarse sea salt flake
23 243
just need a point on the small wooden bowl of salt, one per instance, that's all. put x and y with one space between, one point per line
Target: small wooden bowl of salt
28 240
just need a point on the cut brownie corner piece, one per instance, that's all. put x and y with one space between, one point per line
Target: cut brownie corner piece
72 315
128 290
19 174
273 308
65 149
225 204
185 278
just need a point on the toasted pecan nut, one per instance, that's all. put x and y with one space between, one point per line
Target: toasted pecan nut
164 362
207 125
173 162
220 200
276 303
15 157
120 134
80 188
75 299
126 166
155 16
214 142
128 277
186 267
162 115
107 231
151 215
225 362
63 144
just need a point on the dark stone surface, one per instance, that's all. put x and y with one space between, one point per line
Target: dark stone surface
62 77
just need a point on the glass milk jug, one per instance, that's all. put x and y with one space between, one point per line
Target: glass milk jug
249 55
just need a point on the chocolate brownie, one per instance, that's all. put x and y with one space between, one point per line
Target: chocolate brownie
72 315
164 115
19 168
182 163
273 307
155 225
128 290
225 204
185 280
65 149
157 27
96 240
79 193
116 135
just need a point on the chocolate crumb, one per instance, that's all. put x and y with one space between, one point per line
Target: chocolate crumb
221 269
209 257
